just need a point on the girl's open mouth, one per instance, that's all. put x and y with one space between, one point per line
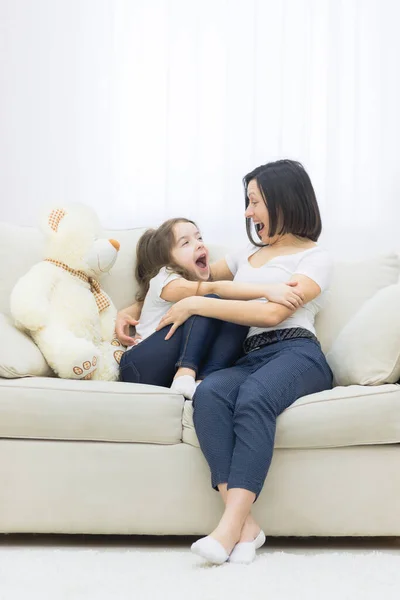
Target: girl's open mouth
259 227
202 262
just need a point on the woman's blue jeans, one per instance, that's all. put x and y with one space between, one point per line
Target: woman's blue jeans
202 344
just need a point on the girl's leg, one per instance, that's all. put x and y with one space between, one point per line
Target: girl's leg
198 335
212 343
226 349
153 360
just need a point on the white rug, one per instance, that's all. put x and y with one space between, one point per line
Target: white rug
116 574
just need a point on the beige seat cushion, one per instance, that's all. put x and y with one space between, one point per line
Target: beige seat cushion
367 350
63 409
344 416
19 355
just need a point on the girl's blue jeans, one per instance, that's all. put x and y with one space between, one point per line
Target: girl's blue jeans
202 344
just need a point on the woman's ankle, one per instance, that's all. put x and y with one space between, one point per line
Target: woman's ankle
227 536
250 530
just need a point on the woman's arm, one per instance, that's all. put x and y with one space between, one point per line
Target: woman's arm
283 293
254 314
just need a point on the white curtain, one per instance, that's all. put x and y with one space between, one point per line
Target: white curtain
148 109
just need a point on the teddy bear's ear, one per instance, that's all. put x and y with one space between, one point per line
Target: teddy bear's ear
55 217
49 219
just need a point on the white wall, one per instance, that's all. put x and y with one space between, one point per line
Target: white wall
147 109
56 111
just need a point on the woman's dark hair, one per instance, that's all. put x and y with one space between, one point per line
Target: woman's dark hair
289 197
154 251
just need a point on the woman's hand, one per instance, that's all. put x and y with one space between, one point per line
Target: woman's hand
122 323
177 315
285 294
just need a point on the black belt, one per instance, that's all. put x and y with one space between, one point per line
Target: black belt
255 342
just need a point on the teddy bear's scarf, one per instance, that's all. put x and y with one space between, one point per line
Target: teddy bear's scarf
101 299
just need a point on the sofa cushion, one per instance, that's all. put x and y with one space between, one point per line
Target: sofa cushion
353 284
367 350
64 409
19 355
343 416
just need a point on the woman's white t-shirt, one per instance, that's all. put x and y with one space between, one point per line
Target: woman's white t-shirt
154 307
315 263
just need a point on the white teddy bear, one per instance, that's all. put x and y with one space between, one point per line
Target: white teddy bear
59 302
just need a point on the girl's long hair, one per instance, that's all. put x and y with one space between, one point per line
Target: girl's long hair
154 251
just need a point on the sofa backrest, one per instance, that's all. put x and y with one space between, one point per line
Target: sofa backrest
353 282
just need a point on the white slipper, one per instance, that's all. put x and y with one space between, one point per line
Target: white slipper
245 552
211 550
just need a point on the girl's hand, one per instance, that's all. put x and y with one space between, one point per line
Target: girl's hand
177 315
122 323
285 294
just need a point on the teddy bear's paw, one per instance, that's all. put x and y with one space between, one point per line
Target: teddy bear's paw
115 342
118 355
86 370
88 376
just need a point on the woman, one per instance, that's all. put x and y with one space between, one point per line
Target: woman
235 409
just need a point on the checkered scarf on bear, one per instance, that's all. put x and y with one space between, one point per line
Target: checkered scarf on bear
101 299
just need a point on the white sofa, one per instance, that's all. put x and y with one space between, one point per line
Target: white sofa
117 458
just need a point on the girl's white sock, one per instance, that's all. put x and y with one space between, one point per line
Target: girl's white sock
185 385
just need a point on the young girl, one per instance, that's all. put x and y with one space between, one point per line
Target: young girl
173 264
